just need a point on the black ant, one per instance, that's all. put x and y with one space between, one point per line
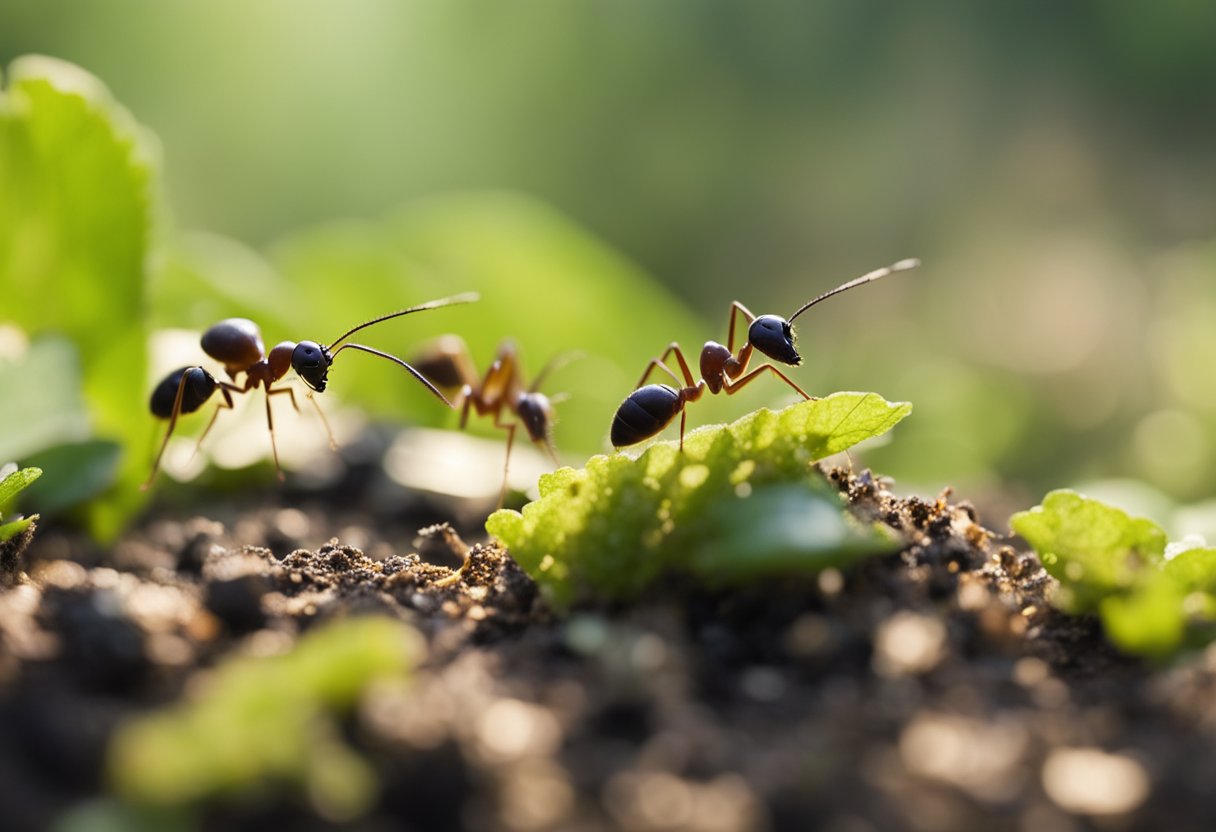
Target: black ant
650 408
237 344
448 364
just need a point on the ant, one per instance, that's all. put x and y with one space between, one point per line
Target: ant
237 344
650 408
448 364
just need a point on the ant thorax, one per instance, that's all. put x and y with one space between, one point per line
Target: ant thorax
279 359
717 363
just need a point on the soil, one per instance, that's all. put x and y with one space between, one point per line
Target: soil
934 689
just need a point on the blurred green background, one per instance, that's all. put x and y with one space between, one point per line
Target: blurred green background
1053 165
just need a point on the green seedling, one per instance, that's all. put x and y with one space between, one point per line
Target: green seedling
258 723
1152 596
741 501
12 483
15 533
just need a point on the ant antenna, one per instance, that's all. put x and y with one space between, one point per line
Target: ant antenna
877 274
555 363
467 297
397 360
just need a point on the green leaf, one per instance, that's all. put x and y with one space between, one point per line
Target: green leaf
15 527
1149 620
1091 548
1148 595
14 483
782 529
110 815
1194 568
11 485
733 505
75 232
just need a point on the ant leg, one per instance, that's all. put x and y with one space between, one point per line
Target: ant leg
688 394
509 427
555 363
736 309
735 385
651 367
177 408
274 448
274 391
551 452
333 446
290 394
660 363
467 399
226 404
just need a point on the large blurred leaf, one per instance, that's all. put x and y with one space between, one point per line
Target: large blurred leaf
204 278
75 223
269 722
543 281
74 472
40 401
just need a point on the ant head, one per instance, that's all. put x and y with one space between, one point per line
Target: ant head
773 336
311 362
536 412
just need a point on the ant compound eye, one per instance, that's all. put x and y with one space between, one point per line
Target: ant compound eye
307 356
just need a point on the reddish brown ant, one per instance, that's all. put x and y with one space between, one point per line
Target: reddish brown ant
237 344
650 408
448 364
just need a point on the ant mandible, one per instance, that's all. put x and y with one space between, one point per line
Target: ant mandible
237 344
449 365
650 408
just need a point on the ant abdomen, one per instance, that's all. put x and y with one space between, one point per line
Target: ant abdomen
645 412
234 342
199 387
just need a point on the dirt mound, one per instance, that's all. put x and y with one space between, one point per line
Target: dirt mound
931 689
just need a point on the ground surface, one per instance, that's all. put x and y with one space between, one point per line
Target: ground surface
933 689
